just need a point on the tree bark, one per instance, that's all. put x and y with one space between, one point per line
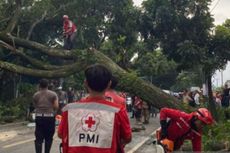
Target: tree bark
212 105
131 83
14 20
34 61
77 67
54 52
34 24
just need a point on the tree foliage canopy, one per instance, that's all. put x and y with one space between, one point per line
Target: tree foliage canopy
32 36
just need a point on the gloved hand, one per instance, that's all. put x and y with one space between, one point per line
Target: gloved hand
163 129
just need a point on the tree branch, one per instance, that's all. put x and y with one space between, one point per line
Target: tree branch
33 61
77 67
127 82
65 54
14 20
35 23
4 20
61 8
132 84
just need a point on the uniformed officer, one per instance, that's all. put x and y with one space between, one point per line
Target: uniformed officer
45 103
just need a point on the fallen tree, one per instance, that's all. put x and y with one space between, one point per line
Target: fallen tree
80 59
128 81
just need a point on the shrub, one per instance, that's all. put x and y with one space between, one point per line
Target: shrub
15 109
217 137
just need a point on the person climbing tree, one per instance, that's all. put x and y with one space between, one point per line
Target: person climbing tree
69 32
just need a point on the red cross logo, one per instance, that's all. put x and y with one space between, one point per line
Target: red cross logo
90 122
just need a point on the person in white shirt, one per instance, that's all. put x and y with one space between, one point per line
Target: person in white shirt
197 97
129 104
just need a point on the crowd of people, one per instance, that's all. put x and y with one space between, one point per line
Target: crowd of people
50 101
99 121
192 98
196 98
101 115
141 110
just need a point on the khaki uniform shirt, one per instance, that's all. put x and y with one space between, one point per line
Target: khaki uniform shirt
44 101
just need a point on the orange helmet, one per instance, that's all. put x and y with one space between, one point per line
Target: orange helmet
204 115
168 145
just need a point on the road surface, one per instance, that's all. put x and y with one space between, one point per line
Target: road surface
20 139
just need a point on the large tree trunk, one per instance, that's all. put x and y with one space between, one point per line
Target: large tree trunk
131 83
212 105
128 82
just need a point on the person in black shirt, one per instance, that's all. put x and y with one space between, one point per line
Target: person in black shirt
70 95
225 96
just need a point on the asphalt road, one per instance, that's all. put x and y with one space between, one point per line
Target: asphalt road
20 139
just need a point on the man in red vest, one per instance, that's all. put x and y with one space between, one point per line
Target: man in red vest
113 96
69 32
95 125
182 126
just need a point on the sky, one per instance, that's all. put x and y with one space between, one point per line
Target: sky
220 9
220 14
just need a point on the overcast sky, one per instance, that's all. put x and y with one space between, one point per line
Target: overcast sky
221 12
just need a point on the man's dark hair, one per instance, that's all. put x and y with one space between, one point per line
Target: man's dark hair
97 77
114 82
43 83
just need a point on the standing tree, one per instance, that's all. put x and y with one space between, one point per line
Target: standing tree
183 31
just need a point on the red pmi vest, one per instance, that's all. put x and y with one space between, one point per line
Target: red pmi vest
92 127
179 128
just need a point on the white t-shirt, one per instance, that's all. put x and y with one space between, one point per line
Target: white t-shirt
129 101
197 98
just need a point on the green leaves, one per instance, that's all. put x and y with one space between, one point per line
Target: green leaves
155 63
187 79
223 31
190 53
180 27
217 136
155 67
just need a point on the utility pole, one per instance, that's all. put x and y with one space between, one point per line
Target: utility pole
222 80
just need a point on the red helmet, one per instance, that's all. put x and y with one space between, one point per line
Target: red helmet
204 115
